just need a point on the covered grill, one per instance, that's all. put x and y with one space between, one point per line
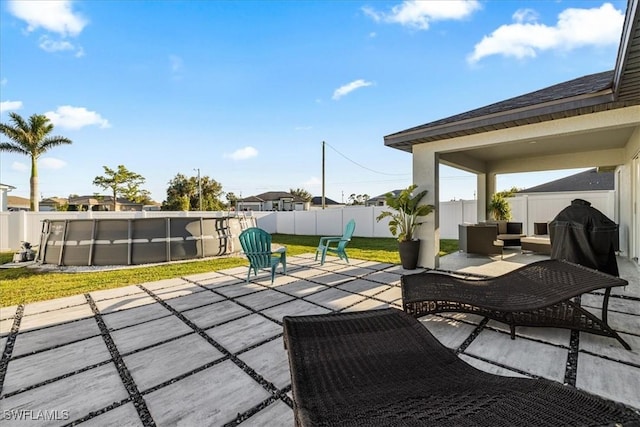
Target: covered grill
584 235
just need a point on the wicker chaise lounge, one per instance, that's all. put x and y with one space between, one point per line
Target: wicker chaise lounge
384 368
537 294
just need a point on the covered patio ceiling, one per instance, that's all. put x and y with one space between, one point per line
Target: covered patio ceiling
500 157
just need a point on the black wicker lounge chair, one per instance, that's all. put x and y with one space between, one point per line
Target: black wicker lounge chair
384 368
538 294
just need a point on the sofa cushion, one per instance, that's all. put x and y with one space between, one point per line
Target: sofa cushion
514 228
502 225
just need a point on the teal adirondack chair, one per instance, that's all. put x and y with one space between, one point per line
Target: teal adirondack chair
256 244
340 243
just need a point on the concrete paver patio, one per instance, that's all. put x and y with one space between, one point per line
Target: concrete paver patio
207 349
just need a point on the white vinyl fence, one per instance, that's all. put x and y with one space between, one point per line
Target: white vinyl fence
16 227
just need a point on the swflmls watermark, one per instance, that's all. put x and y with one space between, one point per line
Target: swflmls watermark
35 415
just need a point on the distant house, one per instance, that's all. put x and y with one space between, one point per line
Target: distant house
4 189
16 203
52 204
316 203
272 201
102 203
381 199
590 180
153 206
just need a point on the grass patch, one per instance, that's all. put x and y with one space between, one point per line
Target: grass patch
23 285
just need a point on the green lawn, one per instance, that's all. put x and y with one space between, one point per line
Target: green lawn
23 285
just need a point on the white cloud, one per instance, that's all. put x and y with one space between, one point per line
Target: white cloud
70 117
52 15
52 163
419 14
525 15
19 166
49 45
176 63
10 106
242 153
575 28
312 182
349 87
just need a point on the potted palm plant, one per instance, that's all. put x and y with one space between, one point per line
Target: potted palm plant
404 221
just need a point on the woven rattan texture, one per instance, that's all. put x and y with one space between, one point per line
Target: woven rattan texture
383 368
537 294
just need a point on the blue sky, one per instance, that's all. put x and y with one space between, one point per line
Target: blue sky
247 91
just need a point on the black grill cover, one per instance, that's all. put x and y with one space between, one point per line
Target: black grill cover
584 235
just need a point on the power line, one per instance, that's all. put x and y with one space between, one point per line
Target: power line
364 167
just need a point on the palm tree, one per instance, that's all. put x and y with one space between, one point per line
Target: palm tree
30 139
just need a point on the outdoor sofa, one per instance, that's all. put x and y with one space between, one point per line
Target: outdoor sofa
509 232
489 237
384 368
479 239
540 242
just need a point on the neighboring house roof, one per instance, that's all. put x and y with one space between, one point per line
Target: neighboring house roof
384 196
252 199
317 201
18 202
99 200
54 201
603 91
590 180
272 196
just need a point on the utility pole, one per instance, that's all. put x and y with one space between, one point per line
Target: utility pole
323 204
199 189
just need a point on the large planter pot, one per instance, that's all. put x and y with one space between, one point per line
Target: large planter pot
409 252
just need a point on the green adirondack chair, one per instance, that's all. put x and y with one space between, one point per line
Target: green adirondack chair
256 244
339 242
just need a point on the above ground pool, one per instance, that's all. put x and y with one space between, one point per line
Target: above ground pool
138 240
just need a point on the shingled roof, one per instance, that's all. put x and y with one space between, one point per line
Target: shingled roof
590 180
317 201
272 196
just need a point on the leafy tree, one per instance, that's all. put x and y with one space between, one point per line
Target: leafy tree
232 198
122 182
302 193
360 199
182 188
31 139
62 207
499 206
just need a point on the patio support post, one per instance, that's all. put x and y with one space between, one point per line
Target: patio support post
426 176
486 186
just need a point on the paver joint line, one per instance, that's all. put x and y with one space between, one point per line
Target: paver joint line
325 277
270 387
572 359
8 349
125 376
472 336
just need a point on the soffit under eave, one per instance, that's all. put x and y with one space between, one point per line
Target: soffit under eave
479 125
